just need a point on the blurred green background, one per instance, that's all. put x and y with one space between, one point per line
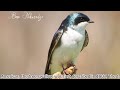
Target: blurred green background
24 43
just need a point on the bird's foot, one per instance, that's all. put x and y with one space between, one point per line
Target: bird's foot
70 70
66 71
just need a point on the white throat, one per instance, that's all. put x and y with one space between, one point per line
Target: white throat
80 27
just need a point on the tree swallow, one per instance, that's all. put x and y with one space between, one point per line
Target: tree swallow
68 41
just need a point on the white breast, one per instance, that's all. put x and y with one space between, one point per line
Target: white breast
71 45
72 37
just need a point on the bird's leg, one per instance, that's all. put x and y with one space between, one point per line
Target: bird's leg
69 64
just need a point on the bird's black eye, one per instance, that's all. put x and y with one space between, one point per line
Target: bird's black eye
78 20
81 19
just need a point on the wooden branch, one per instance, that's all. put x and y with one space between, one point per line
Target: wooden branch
69 71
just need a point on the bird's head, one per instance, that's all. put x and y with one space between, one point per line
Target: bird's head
77 20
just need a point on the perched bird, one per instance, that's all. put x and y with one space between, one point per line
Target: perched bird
68 41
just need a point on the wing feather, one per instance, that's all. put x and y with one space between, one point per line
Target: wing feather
86 40
54 43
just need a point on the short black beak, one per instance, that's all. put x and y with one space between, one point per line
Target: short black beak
90 21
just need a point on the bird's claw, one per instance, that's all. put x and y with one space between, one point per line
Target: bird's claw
70 70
